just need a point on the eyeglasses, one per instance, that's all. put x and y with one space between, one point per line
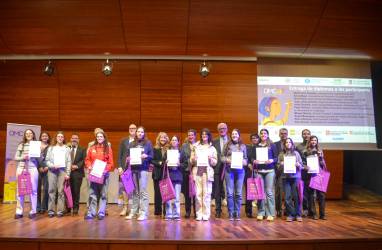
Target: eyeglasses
132 128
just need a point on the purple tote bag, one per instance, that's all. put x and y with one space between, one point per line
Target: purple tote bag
191 186
24 183
166 188
320 181
127 181
255 188
68 194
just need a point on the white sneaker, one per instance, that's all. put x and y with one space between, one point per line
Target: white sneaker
206 218
199 218
130 216
142 217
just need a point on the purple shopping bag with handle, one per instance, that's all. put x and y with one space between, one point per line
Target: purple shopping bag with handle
68 194
255 188
127 180
24 183
166 188
191 186
320 181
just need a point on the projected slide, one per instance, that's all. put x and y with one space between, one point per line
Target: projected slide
337 110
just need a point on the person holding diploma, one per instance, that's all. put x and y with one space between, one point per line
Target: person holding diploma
139 157
264 164
289 165
175 161
314 151
234 156
99 156
30 164
160 148
59 163
204 156
43 197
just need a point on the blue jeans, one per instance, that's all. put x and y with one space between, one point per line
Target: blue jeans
173 206
267 207
98 192
234 185
292 204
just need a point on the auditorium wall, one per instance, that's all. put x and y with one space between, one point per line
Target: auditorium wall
166 96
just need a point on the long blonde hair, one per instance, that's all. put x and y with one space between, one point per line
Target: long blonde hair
157 141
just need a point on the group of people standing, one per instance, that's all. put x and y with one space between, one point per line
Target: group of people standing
202 168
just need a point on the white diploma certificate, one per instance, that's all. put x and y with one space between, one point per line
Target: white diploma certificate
290 164
262 154
34 149
98 168
172 157
237 160
312 163
135 156
202 155
59 154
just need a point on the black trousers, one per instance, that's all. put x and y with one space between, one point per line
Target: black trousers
313 194
158 206
188 201
75 186
218 192
305 202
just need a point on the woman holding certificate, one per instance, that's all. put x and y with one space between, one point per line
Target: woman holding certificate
315 163
264 164
139 157
59 163
290 165
99 162
204 156
26 162
235 158
160 148
175 161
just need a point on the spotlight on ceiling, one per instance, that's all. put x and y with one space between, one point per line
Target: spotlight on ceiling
204 69
49 68
107 68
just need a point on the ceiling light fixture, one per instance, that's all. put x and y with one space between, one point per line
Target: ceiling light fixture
107 68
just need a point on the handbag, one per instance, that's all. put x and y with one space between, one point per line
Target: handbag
320 181
255 188
68 194
127 180
24 183
166 188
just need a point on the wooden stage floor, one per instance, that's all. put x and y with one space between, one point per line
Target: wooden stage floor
358 225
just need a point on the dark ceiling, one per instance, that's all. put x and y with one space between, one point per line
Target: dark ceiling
294 28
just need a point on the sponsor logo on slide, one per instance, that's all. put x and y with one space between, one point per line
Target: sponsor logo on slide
14 132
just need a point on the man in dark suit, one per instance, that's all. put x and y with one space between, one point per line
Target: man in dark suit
218 192
122 155
77 155
283 134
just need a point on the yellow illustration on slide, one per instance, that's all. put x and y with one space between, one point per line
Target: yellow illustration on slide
270 107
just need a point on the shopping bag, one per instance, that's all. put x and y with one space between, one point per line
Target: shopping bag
320 181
